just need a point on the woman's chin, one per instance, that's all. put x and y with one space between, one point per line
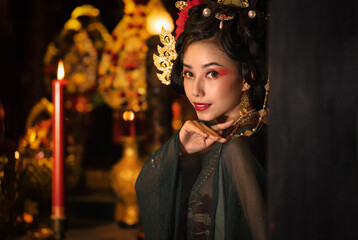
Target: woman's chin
203 117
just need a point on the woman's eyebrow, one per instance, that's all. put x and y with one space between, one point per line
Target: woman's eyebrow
187 66
211 64
205 65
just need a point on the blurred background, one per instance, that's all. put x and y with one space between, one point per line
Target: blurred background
116 110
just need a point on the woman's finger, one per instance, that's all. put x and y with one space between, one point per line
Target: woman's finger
206 129
194 127
202 129
212 132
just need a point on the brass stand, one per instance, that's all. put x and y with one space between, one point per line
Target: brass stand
122 179
58 227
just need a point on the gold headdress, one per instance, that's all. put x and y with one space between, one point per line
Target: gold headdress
167 54
238 3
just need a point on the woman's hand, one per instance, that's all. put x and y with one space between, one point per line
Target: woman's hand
195 136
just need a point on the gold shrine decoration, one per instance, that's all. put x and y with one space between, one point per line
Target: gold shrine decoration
80 45
122 70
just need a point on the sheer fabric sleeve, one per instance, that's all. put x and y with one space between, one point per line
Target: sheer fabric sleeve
156 188
248 181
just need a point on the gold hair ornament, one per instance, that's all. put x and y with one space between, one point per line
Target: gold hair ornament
237 3
167 54
180 5
223 17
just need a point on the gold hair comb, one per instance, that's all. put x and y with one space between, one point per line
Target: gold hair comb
167 54
180 5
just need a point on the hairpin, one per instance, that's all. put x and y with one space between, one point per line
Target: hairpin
223 17
251 14
206 12
180 5
167 54
238 3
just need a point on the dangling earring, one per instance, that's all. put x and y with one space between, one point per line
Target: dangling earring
244 104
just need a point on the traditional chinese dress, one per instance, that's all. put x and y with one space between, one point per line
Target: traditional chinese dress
219 194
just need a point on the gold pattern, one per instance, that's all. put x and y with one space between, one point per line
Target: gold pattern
223 17
240 122
79 44
238 3
263 113
180 5
85 10
122 78
167 54
244 104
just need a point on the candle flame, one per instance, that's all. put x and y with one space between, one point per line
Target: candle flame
60 70
17 155
128 116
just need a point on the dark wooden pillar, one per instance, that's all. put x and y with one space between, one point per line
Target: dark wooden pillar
313 142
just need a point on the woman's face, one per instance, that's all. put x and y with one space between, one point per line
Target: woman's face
212 82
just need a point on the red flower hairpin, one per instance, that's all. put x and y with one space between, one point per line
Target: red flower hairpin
184 15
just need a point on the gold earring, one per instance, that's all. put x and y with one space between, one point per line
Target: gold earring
244 104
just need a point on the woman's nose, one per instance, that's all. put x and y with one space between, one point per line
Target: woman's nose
198 88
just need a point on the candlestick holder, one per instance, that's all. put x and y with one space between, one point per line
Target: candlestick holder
58 226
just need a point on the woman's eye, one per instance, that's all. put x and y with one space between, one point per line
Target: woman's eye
188 74
213 74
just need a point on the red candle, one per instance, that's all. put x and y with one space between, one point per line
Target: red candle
58 88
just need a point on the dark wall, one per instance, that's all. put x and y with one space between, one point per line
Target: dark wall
313 159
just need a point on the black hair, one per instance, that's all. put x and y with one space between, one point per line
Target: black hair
242 39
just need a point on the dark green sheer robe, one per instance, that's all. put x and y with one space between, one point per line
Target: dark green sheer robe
216 195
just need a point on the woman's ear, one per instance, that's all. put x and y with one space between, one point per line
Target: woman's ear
245 86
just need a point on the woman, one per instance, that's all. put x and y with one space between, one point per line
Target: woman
208 180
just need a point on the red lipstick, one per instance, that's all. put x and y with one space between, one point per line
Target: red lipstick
201 106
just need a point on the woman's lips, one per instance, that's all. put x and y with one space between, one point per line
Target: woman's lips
201 106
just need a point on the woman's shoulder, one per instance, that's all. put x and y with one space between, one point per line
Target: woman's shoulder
248 147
